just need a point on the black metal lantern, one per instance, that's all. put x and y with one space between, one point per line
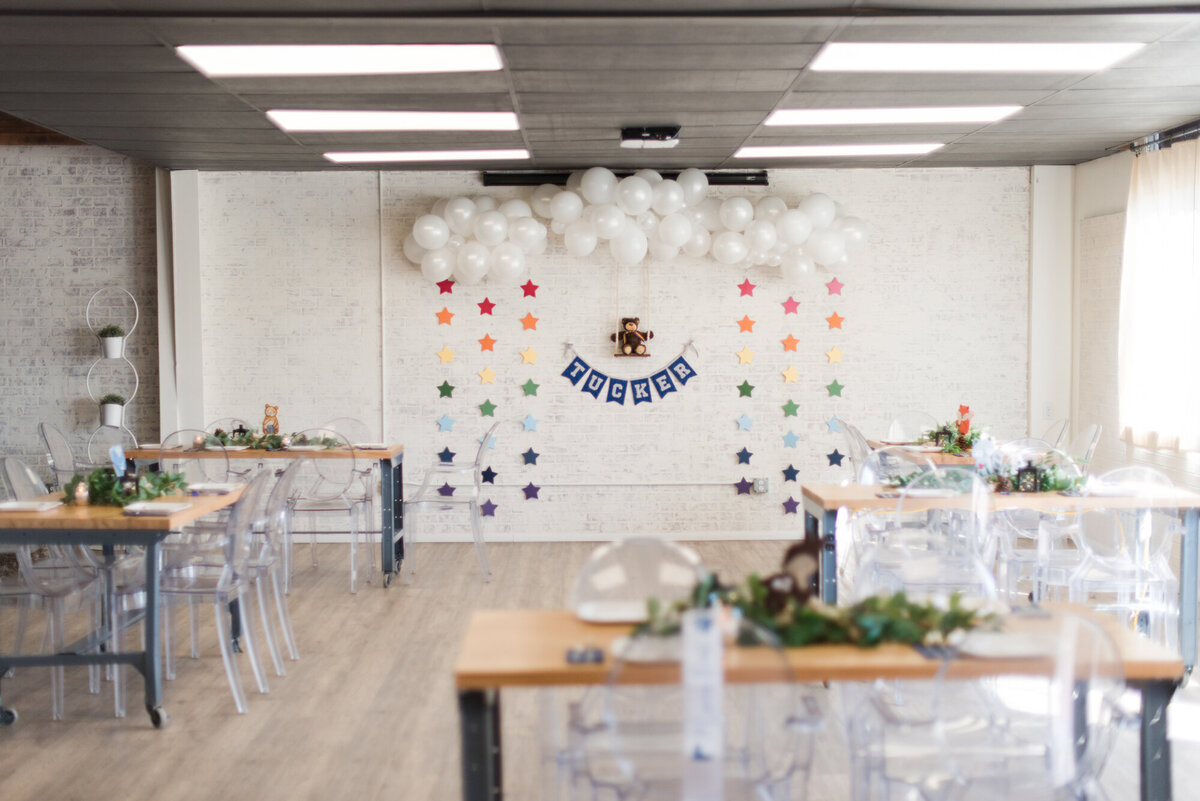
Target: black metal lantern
1029 479
943 437
241 430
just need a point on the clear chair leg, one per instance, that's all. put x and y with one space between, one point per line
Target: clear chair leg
168 643
54 629
285 619
268 634
477 534
225 638
247 621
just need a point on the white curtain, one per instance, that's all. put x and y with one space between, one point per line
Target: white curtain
1159 345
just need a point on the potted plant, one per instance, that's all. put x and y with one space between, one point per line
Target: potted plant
112 338
112 410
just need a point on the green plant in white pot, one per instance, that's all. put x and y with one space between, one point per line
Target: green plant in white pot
112 339
112 410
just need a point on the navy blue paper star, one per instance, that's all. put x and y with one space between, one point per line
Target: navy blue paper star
744 456
743 486
790 473
835 458
790 506
487 508
531 492
447 456
488 475
446 490
531 456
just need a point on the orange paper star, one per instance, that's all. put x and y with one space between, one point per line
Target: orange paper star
745 324
834 321
790 343
444 316
529 322
487 343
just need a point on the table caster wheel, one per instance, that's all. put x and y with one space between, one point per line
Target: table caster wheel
387 580
7 716
159 717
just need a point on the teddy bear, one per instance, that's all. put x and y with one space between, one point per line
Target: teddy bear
270 419
630 341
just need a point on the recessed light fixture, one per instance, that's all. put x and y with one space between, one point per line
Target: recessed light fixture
889 116
971 56
365 157
232 61
320 120
650 136
827 151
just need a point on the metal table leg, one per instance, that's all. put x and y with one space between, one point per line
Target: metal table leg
824 528
1155 761
1187 589
479 713
391 529
151 661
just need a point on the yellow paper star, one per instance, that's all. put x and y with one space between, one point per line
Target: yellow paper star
487 376
790 343
745 356
529 356
791 375
746 324
444 316
486 343
529 322
445 354
834 355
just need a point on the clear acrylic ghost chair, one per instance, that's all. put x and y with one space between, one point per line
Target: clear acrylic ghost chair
1083 445
330 485
856 445
205 462
629 738
61 456
224 427
460 485
908 426
366 491
267 563
1056 432
619 578
102 440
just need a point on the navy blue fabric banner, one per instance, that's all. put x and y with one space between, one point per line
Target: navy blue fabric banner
616 390
641 391
682 370
594 383
663 383
576 370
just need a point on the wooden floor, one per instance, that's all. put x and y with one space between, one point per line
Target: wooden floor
369 711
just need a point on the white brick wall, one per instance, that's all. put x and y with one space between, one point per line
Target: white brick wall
72 220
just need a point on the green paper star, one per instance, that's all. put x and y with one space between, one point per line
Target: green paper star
745 388
487 409
530 387
835 388
790 408
447 390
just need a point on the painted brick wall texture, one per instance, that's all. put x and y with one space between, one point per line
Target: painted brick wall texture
309 303
72 220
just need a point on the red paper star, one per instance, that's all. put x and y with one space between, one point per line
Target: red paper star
485 306
745 324
530 289
790 305
444 316
834 321
446 287
529 322
835 286
486 343
747 288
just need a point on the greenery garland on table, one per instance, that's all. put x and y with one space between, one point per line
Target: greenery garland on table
956 443
270 442
105 488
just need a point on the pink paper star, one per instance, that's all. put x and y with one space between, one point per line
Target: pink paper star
835 286
485 306
790 305
446 287
530 289
747 288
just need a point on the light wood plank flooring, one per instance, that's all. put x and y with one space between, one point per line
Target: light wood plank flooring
369 711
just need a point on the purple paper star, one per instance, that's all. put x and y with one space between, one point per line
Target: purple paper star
743 486
531 492
446 490
790 506
487 508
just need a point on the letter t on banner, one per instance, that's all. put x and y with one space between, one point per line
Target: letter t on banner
576 370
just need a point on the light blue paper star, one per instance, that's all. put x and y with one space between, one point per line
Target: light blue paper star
491 442
790 439
834 424
744 422
445 423
530 422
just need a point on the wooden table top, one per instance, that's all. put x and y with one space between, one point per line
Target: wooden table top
527 647
936 457
390 452
112 518
877 496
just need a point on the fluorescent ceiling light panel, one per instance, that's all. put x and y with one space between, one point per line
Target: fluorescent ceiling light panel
354 157
889 116
319 120
231 61
827 151
971 56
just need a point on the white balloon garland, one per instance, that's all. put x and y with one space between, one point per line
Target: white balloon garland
640 215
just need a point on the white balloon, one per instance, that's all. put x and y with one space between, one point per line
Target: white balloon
575 181
769 208
700 242
668 197
675 229
539 249
608 220
566 207
508 262
515 208
412 251
580 238
825 246
793 227
540 202
598 185
649 176
854 231
819 208
629 245
473 262
648 222
525 232
795 266
460 215
736 213
634 195
761 236
439 207
774 259
694 184
484 203
661 251
491 227
710 213
729 247
431 232
455 241
437 264
558 226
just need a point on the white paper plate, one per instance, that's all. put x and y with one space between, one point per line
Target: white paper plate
237 447
370 446
1007 645
648 649
612 612
148 446
213 487
306 448
923 448
929 492
894 442
155 508
29 506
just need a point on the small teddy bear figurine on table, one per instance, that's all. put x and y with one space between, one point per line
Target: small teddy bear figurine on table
270 419
630 341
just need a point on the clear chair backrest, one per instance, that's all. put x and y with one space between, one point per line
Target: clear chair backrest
856 444
1083 445
1056 432
22 481
239 526
58 452
486 443
353 429
892 465
1140 523
197 454
909 426
275 512
332 466
618 578
1024 523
